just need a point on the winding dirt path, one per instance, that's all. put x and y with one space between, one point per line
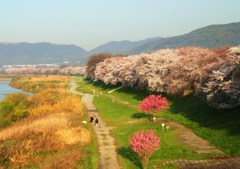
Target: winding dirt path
107 148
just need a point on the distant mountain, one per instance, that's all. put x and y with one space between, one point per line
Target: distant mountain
36 53
120 47
210 36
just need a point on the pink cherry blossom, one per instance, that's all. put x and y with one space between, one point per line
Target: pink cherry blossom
144 144
153 104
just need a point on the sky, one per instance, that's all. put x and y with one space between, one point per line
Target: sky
90 23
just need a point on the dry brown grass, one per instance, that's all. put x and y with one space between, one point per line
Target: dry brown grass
42 125
52 132
73 136
49 78
49 132
65 161
20 154
48 96
70 104
51 125
39 83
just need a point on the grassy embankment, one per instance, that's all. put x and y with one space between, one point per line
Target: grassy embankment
220 127
44 130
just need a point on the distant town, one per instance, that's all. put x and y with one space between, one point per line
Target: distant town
42 69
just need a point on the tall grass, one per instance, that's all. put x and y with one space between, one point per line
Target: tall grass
39 83
52 133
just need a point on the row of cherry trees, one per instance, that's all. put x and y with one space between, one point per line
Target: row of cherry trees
211 73
221 87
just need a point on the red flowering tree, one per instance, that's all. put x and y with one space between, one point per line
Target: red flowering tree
153 103
144 144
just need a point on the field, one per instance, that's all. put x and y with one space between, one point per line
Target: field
44 129
219 127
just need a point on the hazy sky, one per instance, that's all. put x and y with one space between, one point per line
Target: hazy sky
89 23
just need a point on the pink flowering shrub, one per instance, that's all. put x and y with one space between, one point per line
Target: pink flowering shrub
144 144
153 103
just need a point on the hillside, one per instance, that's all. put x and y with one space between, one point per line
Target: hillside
31 53
36 53
210 36
120 47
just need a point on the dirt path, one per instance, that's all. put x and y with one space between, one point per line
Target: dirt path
107 148
188 137
224 163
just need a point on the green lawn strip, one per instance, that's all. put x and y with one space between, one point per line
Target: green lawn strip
131 95
220 127
114 112
127 94
83 88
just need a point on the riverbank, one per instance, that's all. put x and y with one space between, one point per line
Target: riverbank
6 89
5 79
45 127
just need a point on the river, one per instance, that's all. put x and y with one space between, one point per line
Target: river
6 89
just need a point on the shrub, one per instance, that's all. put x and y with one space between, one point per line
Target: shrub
14 107
17 154
153 103
92 62
144 144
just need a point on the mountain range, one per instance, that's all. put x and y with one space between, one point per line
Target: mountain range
210 36
40 53
35 53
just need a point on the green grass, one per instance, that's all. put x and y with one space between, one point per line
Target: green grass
4 121
220 127
113 112
91 157
123 119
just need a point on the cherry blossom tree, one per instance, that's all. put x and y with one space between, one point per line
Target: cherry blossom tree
177 70
153 103
144 144
221 88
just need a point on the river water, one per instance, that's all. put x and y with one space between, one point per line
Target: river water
6 89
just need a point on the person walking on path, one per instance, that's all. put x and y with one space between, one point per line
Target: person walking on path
91 119
96 122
